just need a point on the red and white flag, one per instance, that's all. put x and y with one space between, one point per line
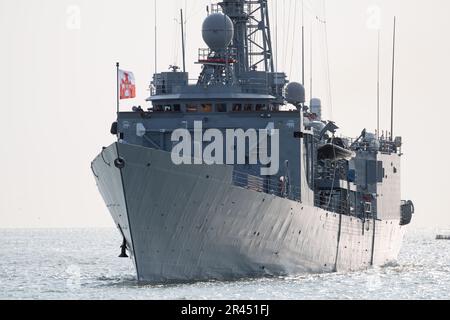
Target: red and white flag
127 85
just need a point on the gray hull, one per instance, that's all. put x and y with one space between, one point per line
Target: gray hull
189 223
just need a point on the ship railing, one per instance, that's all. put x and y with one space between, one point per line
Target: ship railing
269 185
385 144
158 88
330 203
216 8
205 55
257 87
273 186
330 173
387 147
235 10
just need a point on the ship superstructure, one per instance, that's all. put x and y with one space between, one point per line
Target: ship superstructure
333 204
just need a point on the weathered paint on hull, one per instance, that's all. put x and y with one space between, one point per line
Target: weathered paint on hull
189 223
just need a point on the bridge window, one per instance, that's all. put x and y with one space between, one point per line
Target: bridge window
206 107
221 107
237 107
192 108
248 107
261 107
167 108
158 108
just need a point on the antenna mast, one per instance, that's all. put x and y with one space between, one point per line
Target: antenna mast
311 63
252 36
182 41
303 44
378 87
393 80
156 42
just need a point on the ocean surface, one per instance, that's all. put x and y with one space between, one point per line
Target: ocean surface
83 264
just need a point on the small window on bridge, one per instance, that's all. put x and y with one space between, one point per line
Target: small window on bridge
206 107
192 108
221 107
158 108
176 108
248 107
237 107
261 107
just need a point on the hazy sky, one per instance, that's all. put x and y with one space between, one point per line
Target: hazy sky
57 87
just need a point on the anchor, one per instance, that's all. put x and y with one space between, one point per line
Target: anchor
123 247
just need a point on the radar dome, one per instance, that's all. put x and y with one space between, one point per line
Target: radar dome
295 93
217 31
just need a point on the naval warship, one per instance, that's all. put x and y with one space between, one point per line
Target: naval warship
326 204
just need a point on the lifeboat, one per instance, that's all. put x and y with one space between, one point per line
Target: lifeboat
335 149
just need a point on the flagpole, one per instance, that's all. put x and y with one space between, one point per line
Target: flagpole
118 97
118 90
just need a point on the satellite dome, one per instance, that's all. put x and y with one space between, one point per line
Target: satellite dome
217 31
295 93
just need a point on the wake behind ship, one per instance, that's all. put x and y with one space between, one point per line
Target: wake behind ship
314 203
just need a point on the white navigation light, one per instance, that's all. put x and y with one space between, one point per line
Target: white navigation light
295 93
217 31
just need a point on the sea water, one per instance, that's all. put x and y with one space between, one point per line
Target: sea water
84 264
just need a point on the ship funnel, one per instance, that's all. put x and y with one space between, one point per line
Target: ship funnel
295 93
316 107
217 31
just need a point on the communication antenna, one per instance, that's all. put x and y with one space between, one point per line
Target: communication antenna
182 41
311 63
378 86
393 79
276 36
303 43
156 40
